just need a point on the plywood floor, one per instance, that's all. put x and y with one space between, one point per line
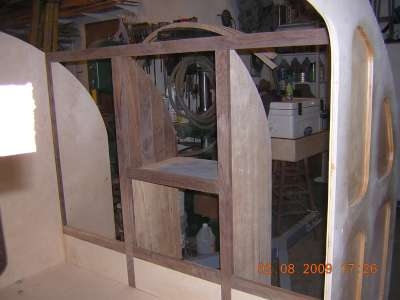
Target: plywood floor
66 282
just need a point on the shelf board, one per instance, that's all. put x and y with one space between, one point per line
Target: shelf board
181 172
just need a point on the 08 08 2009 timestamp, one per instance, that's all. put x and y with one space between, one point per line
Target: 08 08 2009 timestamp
314 268
291 269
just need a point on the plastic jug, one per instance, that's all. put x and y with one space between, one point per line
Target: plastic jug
205 240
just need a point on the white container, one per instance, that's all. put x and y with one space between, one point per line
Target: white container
294 119
205 240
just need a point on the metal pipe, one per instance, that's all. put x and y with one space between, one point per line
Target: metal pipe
204 91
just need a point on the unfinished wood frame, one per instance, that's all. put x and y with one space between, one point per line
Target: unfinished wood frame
141 119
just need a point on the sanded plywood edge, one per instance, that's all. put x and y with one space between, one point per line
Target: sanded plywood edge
251 175
359 128
103 261
387 213
157 218
169 284
385 146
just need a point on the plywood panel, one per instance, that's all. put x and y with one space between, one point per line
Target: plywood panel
356 192
168 284
359 116
84 156
67 282
102 261
157 218
239 295
29 205
251 175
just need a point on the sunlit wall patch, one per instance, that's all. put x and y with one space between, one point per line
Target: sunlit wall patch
17 119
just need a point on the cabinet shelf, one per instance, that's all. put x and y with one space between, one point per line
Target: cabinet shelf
181 172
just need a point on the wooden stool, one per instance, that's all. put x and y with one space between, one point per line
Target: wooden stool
291 190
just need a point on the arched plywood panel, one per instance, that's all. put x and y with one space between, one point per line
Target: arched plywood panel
84 156
359 116
29 206
356 192
385 141
251 175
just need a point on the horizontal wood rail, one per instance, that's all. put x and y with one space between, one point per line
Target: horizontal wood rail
183 266
186 267
255 42
95 239
180 172
268 292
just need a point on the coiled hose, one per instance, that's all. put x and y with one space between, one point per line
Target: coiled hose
204 120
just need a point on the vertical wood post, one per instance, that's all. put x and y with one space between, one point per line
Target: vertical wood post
56 145
222 68
123 109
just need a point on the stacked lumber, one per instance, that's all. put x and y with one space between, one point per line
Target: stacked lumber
19 14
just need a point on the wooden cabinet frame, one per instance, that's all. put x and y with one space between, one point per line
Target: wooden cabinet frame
127 115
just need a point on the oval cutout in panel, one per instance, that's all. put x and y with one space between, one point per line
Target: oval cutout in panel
359 121
385 140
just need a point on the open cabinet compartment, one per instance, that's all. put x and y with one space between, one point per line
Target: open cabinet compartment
155 173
